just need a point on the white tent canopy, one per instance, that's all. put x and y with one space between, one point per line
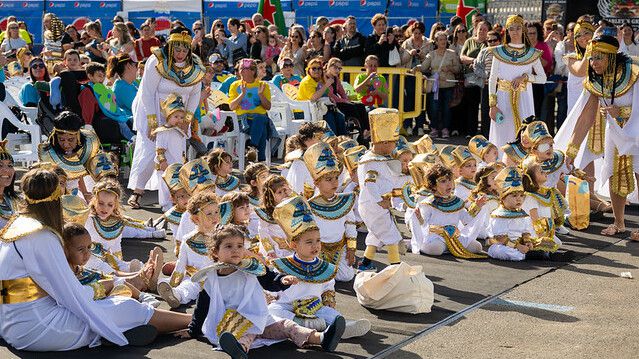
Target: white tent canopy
162 5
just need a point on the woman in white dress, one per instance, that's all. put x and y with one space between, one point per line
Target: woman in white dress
515 67
43 306
611 86
171 69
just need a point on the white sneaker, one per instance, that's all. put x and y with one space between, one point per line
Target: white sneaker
149 299
160 233
166 292
356 328
562 230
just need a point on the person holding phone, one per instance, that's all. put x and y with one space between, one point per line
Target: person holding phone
516 65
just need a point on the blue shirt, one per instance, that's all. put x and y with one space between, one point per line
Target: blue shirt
226 85
29 95
279 80
124 95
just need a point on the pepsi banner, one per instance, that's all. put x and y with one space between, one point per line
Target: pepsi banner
79 13
403 11
226 9
29 11
307 11
163 19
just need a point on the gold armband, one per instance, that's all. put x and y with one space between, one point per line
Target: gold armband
492 100
525 238
572 150
176 279
328 299
152 121
159 155
474 209
579 173
99 292
351 243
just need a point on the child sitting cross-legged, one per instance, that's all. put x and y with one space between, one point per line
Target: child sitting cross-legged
221 165
232 312
203 207
310 302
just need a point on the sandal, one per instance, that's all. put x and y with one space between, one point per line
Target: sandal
612 230
134 201
157 269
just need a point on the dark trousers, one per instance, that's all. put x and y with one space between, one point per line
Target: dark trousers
538 97
441 110
356 110
562 106
485 110
470 110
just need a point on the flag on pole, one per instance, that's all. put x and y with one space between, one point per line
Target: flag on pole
466 9
272 12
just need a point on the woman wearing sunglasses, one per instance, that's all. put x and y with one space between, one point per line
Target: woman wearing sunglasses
295 49
315 87
12 41
32 92
287 74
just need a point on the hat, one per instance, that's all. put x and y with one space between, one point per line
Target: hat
536 132
606 43
226 212
320 160
384 123
100 166
462 155
424 145
348 144
117 18
419 165
401 147
74 209
195 176
171 177
479 146
352 156
295 217
328 136
509 181
4 153
447 157
172 104
181 36
215 58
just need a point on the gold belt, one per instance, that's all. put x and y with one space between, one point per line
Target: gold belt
332 252
452 242
514 92
21 290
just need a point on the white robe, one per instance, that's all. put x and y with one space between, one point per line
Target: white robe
513 228
173 142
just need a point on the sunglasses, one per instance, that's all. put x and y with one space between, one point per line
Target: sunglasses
288 64
295 37
316 69
197 29
220 26
37 66
462 31
13 28
493 40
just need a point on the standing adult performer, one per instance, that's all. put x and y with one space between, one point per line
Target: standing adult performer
516 66
171 69
611 87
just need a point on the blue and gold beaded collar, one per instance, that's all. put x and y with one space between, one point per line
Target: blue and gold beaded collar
73 165
448 205
227 184
515 151
515 56
87 276
254 201
317 271
173 216
187 76
252 266
462 181
332 209
555 163
197 242
110 229
626 78
263 215
7 207
502 212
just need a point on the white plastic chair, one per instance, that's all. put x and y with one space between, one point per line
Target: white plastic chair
278 96
13 86
22 146
235 140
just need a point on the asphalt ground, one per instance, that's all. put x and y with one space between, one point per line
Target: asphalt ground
459 285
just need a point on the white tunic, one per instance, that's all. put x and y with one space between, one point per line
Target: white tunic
300 178
514 228
68 318
187 264
111 241
436 217
272 240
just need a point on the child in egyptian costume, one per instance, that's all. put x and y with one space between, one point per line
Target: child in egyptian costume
44 306
351 184
272 237
10 199
487 192
404 153
516 66
333 212
179 198
298 175
610 87
194 254
162 77
232 312
345 175
465 183
487 152
221 165
170 145
415 192
311 301
255 175
71 147
442 216
379 174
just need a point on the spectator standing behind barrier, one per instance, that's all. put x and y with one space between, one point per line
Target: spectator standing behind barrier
202 44
416 46
146 41
371 87
295 49
535 36
315 87
329 39
443 64
479 77
351 48
564 47
380 42
239 38
472 84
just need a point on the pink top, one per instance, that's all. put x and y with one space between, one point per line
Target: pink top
546 54
340 96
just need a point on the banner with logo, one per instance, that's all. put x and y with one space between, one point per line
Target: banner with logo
403 11
28 11
307 11
79 13
226 9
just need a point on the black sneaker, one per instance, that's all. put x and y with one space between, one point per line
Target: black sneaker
231 346
141 335
333 334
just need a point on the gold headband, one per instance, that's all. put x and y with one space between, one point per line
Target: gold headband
603 47
513 20
107 191
52 197
583 25
183 37
206 204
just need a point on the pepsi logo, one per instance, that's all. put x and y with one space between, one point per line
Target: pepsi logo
162 23
80 22
362 2
76 4
300 3
25 4
240 4
331 2
51 4
102 4
210 5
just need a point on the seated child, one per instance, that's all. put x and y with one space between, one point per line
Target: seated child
424 145
239 209
486 190
170 144
351 183
311 301
333 212
479 146
449 160
298 176
416 192
255 175
232 308
203 207
443 214
273 242
179 197
465 183
221 165
515 152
